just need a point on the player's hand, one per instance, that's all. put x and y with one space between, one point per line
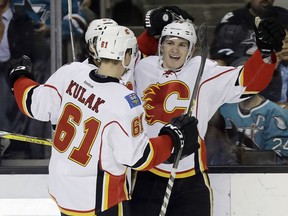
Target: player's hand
18 68
269 35
156 19
182 129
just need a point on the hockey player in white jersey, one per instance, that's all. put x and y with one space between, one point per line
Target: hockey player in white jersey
165 84
100 132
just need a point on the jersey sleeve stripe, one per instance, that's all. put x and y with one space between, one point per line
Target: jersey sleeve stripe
110 190
256 74
53 87
145 160
23 89
26 101
155 153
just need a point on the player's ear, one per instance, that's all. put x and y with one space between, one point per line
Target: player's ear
127 58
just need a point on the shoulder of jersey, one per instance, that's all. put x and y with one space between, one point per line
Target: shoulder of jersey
74 67
273 107
122 96
197 59
147 64
210 62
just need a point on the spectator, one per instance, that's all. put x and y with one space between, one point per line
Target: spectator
127 13
94 6
95 144
35 38
238 25
88 10
220 149
257 123
165 84
41 20
235 41
41 17
17 40
283 67
272 91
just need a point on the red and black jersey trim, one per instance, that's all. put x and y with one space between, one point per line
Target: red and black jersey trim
143 159
99 188
29 101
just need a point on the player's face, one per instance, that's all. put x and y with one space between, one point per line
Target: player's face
283 54
174 51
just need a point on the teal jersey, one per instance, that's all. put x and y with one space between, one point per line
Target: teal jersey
265 125
39 12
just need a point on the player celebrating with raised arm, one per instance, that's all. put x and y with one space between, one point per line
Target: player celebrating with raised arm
155 20
165 84
99 134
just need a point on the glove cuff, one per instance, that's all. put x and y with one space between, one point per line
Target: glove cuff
176 134
17 73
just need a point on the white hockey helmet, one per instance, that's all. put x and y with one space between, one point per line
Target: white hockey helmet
93 31
114 41
182 29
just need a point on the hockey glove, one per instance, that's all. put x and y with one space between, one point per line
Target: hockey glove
269 35
179 13
182 129
18 68
156 19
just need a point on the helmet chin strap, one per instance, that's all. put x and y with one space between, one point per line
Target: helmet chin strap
125 71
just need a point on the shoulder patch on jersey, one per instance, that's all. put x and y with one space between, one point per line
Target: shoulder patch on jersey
133 100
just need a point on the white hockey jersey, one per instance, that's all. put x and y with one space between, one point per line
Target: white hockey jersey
166 94
99 134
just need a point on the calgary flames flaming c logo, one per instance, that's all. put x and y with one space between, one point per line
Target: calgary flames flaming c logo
155 99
